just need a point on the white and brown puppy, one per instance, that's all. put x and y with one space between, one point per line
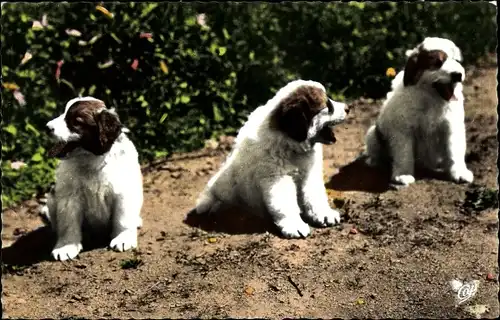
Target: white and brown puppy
422 121
98 180
429 43
276 165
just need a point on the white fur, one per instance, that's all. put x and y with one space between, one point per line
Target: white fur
417 115
67 252
268 171
105 189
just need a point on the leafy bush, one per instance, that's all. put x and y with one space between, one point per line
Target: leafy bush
181 73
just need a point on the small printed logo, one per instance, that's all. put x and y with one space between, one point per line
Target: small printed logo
464 290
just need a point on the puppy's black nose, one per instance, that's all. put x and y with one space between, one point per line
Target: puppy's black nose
348 107
456 77
49 130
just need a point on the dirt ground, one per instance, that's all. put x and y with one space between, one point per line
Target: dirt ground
393 256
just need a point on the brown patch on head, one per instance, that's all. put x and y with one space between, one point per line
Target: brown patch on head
294 114
98 128
419 62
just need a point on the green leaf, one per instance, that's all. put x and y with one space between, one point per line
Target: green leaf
163 117
30 127
185 99
183 85
11 129
105 65
36 157
222 51
148 9
160 55
95 38
115 38
66 82
191 21
217 115
213 47
225 33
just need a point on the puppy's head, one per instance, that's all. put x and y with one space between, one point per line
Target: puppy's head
436 43
86 123
435 61
304 112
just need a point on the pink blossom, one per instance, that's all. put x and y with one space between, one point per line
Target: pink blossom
44 20
58 70
73 32
201 19
135 64
16 165
19 98
27 57
37 25
146 35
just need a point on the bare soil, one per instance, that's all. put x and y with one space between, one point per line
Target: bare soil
392 257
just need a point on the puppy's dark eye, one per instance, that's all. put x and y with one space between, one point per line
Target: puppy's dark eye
439 63
329 105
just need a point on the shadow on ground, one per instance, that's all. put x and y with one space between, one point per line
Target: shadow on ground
357 176
31 248
230 222
36 246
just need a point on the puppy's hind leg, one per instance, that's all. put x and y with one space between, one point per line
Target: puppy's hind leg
373 149
403 161
207 203
280 199
48 209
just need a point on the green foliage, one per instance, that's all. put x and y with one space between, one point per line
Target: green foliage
478 199
177 80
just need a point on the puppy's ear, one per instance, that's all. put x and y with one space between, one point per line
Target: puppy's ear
457 54
109 128
412 71
294 114
292 120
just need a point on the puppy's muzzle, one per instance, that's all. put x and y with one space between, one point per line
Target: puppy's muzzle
49 129
348 108
456 77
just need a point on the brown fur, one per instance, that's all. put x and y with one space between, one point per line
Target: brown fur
97 127
294 114
421 61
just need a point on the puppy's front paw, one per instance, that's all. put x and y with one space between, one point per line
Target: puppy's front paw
404 180
69 251
325 218
293 228
461 174
124 241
